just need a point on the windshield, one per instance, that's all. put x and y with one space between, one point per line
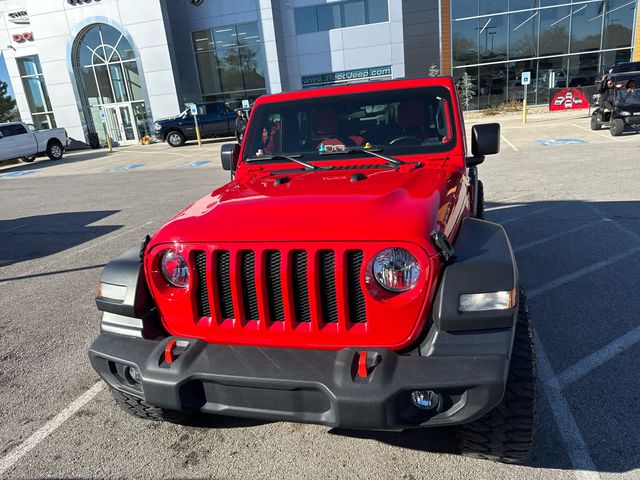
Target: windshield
404 121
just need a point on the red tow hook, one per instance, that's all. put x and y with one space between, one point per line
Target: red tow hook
168 351
362 364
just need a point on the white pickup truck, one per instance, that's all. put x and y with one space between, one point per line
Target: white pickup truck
18 140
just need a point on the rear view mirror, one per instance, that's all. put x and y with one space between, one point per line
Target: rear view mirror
229 154
485 139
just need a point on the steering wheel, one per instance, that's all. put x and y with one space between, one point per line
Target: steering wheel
406 139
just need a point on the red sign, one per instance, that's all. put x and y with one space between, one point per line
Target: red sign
568 99
22 37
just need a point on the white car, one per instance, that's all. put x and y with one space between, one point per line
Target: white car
559 101
17 140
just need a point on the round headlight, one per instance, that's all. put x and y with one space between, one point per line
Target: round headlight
175 269
396 269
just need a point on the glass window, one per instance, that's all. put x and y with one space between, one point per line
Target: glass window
464 8
202 41
252 68
378 11
306 20
470 93
230 69
554 31
523 41
353 13
583 69
209 74
492 85
607 59
35 89
618 24
43 121
522 4
586 26
465 42
328 17
516 89
117 78
494 38
16 129
248 34
225 37
493 6
133 80
104 83
88 83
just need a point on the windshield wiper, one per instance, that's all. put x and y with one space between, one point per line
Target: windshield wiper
371 151
291 158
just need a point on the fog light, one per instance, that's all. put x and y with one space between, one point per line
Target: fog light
133 375
425 399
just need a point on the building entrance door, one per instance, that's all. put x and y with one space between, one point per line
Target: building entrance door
120 123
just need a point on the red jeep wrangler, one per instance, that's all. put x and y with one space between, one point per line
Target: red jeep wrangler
343 277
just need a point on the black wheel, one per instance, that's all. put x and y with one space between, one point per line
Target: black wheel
480 207
141 409
505 433
617 127
595 124
28 159
175 138
55 150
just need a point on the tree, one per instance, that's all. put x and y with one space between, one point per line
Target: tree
466 90
8 111
434 71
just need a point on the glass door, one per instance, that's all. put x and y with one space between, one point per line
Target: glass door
120 124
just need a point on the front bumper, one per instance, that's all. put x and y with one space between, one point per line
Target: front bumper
468 369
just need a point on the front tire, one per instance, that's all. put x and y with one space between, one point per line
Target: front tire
595 124
55 150
617 127
175 139
506 433
141 409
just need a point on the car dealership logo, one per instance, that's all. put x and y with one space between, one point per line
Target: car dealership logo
197 3
20 17
22 37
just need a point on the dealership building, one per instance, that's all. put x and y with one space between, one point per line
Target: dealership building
93 66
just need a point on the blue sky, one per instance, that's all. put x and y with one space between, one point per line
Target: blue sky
4 75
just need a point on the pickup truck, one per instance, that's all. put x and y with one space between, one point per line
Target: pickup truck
214 120
344 277
17 140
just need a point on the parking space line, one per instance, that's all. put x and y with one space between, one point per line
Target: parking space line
555 235
503 207
515 149
599 357
30 443
558 282
600 134
534 212
573 440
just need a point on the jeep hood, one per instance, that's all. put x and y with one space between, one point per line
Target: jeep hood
385 205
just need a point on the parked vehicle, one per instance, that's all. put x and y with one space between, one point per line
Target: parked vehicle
17 140
214 120
626 106
343 277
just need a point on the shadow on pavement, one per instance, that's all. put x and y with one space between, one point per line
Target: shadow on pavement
44 162
28 238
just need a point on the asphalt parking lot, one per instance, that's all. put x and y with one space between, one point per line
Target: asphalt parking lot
568 197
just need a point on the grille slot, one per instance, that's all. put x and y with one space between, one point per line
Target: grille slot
300 286
249 286
327 280
202 290
274 287
357 308
224 283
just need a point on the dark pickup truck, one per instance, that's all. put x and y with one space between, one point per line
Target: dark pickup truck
214 120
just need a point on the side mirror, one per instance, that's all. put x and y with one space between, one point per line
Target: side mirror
229 154
485 139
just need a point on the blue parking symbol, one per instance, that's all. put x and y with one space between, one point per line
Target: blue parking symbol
19 173
126 168
194 164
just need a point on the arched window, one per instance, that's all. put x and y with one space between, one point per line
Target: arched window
110 82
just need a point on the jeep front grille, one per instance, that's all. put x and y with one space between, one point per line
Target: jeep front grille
253 286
